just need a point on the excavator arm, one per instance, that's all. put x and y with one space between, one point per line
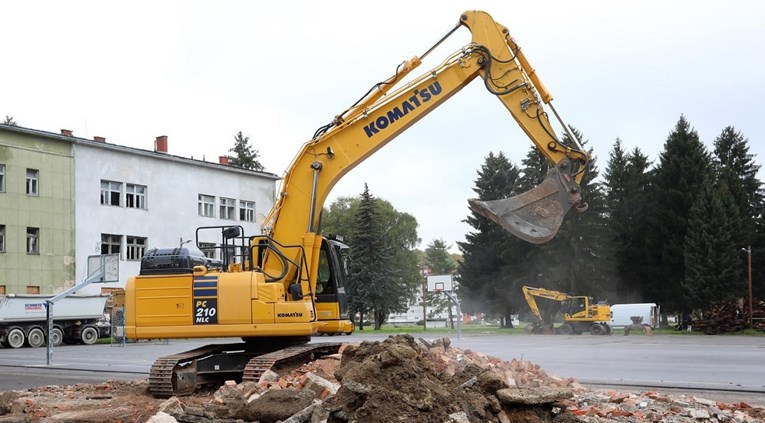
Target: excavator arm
382 114
530 294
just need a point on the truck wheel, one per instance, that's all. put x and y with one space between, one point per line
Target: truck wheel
35 338
57 337
89 335
597 329
566 329
15 338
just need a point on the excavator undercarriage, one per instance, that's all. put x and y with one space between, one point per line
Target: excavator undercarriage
181 374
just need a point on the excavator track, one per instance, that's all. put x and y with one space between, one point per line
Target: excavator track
177 374
180 374
257 366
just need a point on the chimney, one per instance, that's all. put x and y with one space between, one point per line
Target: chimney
223 160
99 139
67 132
160 145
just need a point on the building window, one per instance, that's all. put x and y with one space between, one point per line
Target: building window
227 208
110 193
2 238
206 205
2 178
135 196
33 176
208 249
135 247
247 211
32 289
110 244
33 240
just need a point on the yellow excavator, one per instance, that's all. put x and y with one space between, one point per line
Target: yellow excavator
580 313
277 289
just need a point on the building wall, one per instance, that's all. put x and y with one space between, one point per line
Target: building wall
173 185
51 211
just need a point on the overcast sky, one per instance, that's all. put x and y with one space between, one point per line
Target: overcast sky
199 72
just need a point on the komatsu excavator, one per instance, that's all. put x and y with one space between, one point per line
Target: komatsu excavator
277 289
580 313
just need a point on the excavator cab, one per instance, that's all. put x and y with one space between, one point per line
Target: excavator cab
331 278
575 307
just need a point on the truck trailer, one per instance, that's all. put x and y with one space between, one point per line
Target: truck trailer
23 320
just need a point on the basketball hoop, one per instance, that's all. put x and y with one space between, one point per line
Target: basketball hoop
437 291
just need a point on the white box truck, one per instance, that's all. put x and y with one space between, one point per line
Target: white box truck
622 314
24 318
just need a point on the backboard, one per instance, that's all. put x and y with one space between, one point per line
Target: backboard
110 263
440 283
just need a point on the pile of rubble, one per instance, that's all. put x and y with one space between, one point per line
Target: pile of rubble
399 379
731 316
610 406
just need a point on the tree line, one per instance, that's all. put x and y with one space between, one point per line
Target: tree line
671 232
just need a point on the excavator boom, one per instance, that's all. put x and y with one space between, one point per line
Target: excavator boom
386 111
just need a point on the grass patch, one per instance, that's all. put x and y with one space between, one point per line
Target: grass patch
466 329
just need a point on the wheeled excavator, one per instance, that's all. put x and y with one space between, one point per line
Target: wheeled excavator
580 313
277 289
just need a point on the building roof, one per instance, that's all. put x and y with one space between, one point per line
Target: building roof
132 150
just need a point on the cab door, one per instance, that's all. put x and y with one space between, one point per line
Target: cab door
332 275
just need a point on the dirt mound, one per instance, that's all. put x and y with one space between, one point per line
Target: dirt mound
402 380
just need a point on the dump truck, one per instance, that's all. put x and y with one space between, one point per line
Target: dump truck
23 320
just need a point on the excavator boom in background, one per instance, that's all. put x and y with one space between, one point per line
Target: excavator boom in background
580 313
277 289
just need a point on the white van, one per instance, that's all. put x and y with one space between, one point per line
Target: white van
621 314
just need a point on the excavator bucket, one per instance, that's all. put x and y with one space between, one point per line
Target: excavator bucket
536 215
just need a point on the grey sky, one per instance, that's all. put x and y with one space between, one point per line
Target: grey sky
201 71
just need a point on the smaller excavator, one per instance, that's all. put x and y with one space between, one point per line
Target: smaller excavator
580 313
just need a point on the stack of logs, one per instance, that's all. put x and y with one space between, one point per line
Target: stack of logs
731 316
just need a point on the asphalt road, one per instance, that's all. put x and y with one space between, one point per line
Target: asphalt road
714 363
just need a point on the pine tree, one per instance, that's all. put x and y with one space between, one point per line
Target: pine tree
374 288
10 121
626 181
493 264
400 233
438 259
246 157
758 258
735 165
615 177
632 255
713 271
683 171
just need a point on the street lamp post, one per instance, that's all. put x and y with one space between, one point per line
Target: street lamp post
424 300
751 311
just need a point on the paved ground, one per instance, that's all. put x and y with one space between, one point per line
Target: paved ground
698 362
